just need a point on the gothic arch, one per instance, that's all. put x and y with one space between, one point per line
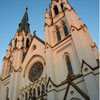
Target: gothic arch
68 63
27 42
31 60
56 10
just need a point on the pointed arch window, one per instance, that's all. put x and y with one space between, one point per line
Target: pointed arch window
58 34
43 88
38 91
26 96
65 30
69 66
27 43
15 43
34 93
56 10
62 7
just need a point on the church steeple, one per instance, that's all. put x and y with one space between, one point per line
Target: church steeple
24 24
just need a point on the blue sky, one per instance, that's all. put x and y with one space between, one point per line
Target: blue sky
12 11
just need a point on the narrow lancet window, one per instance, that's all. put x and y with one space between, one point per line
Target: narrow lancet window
56 10
65 30
69 66
26 96
15 43
62 7
58 34
43 88
27 43
38 91
34 93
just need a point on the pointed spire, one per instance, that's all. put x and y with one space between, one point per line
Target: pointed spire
46 13
24 24
10 44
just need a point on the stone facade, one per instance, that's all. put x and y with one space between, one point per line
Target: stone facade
69 57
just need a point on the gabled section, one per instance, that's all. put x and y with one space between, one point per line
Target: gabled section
75 88
86 68
34 52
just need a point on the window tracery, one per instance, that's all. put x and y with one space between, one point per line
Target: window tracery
35 71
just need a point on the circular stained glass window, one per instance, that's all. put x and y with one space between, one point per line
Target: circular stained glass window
35 71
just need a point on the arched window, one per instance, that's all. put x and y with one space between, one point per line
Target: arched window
43 88
26 96
62 7
58 35
65 30
15 43
27 43
34 93
56 10
38 91
69 66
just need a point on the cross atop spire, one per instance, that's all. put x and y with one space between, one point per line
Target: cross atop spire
24 24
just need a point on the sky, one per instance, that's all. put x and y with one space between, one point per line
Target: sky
12 11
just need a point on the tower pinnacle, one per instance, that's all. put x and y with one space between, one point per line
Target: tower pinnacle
24 24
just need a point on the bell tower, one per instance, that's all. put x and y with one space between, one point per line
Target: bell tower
62 22
16 52
68 42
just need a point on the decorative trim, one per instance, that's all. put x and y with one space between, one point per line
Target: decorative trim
36 55
83 62
69 81
43 79
73 77
81 27
66 91
79 90
1 79
19 69
94 45
31 43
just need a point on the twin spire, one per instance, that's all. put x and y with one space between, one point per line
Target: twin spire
24 24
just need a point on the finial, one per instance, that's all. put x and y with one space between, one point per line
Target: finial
26 8
34 32
10 43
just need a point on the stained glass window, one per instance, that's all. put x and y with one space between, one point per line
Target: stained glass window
43 88
35 71
65 30
69 66
38 91
34 93
58 35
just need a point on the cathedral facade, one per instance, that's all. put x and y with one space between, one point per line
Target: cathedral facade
63 67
